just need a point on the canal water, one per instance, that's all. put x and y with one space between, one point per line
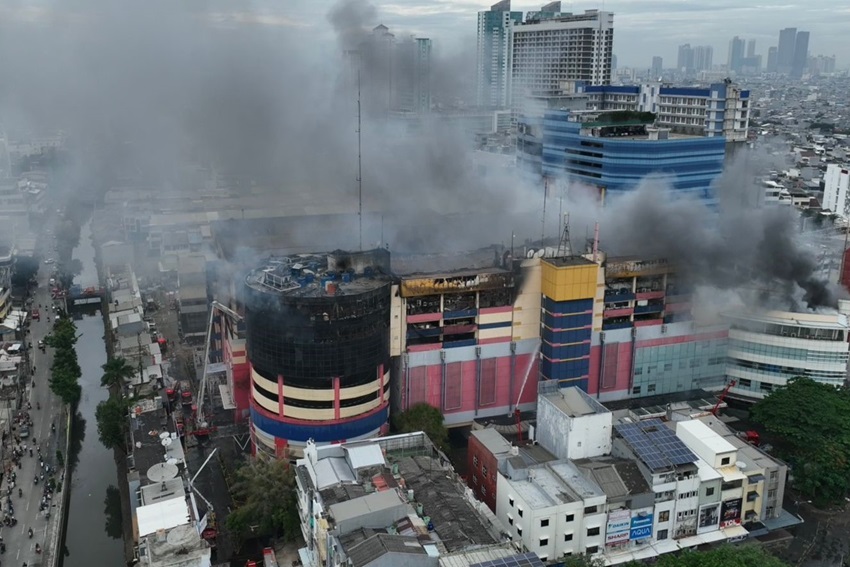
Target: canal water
93 533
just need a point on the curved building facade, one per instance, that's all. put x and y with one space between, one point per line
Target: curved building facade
318 347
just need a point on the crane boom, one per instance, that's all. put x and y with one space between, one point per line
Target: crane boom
215 307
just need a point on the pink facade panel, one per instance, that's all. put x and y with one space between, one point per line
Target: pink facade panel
610 368
421 348
683 339
424 317
649 322
491 310
624 312
649 295
682 307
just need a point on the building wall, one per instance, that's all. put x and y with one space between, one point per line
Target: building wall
482 472
761 360
567 529
572 437
836 184
613 166
493 58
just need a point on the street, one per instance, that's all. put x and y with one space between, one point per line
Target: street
45 411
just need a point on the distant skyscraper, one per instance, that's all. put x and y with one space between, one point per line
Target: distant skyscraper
657 66
578 49
787 45
801 55
703 57
412 76
493 70
685 60
613 61
751 48
772 59
736 54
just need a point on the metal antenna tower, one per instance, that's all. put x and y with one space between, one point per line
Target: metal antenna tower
565 248
359 157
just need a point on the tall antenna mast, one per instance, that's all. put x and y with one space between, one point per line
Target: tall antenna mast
359 157
565 247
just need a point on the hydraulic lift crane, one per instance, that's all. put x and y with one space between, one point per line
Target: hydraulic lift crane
200 418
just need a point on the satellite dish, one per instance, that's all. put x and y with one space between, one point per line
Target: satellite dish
530 254
166 442
540 253
741 465
172 461
162 472
164 435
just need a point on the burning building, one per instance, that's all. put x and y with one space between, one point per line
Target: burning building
317 329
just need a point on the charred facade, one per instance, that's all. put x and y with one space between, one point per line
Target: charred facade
318 345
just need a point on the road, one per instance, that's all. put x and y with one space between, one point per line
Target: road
20 548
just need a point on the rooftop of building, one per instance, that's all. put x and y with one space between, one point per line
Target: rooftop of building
574 402
492 440
181 546
706 435
829 320
501 555
149 421
552 483
378 545
655 444
353 478
689 403
749 454
618 478
569 261
322 274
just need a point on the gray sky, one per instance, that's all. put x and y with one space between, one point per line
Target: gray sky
644 28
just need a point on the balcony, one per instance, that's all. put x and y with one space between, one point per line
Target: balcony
651 308
618 312
459 314
658 294
614 296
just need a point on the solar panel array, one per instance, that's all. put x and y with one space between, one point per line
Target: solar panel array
655 444
524 560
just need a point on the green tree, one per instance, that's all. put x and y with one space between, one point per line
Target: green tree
426 418
265 497
723 556
812 422
115 371
112 423
65 371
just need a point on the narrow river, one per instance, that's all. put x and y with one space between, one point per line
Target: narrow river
93 535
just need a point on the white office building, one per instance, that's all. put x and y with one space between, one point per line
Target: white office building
768 349
836 182
551 49
493 68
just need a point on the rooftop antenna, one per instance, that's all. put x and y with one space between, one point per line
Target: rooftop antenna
565 248
359 157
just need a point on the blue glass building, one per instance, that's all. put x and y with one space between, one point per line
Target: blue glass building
614 157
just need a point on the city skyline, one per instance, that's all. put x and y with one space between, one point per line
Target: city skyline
644 28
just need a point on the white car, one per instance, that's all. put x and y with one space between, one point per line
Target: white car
49 261
57 318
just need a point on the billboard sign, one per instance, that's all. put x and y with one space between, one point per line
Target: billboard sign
730 512
709 518
618 526
641 527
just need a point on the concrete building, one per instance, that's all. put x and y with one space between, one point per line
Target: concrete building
548 50
768 349
801 55
466 340
389 501
736 54
192 296
685 59
703 58
611 157
571 424
493 67
656 68
772 59
551 509
317 329
785 51
836 184
722 109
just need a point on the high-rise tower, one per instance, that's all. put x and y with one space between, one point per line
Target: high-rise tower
493 69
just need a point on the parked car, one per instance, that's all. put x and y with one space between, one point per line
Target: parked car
49 261
36 316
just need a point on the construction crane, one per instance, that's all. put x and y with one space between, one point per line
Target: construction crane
215 308
725 391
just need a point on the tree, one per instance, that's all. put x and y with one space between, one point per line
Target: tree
112 423
65 371
264 494
812 422
115 371
723 556
426 418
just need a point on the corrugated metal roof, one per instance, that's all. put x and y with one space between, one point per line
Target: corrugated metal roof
366 455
